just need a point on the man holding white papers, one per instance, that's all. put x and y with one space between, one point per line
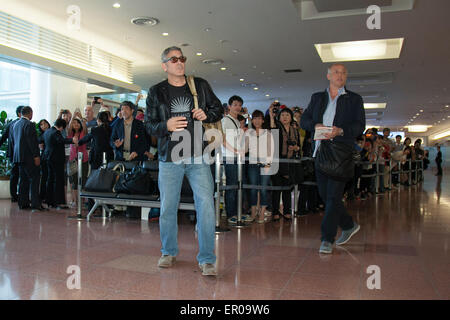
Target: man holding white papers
342 113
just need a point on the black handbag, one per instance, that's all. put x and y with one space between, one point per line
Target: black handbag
137 181
336 160
102 179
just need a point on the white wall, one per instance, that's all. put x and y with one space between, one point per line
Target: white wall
51 93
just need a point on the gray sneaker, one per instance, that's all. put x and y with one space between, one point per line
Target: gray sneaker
166 261
326 247
208 269
347 234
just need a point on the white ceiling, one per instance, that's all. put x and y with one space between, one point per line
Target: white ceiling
270 37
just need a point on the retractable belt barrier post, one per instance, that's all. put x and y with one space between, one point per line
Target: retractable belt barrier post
218 180
239 223
409 171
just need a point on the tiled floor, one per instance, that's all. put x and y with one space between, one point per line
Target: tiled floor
405 233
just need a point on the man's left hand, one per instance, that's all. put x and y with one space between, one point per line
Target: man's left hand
199 114
133 155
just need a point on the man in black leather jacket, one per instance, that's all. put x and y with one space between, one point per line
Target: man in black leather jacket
343 111
170 115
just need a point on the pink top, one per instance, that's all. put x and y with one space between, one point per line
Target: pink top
74 149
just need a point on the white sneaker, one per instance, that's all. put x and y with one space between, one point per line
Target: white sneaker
208 269
166 261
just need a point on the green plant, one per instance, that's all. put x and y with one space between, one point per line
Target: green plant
5 166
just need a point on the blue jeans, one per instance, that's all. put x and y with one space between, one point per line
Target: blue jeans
256 178
170 180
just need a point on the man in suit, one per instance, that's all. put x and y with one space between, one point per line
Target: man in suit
26 156
14 175
54 153
343 111
128 137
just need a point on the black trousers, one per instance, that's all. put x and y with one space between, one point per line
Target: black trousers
44 178
331 192
14 181
29 176
55 183
439 168
278 180
308 198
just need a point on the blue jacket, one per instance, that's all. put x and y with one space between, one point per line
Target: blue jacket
138 141
349 116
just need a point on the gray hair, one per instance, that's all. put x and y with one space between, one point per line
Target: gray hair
336 64
166 52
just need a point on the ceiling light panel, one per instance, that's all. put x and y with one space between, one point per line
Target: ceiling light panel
368 106
360 50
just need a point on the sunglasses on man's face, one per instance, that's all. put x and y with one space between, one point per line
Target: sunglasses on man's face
175 59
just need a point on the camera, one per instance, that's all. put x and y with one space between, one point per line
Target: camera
276 107
291 143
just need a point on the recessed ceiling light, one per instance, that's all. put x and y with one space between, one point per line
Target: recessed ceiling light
255 88
235 50
199 53
223 68
446 106
165 34
360 50
421 110
116 5
207 29
417 114
268 95
241 80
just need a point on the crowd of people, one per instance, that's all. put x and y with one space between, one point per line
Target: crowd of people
125 138
44 156
279 146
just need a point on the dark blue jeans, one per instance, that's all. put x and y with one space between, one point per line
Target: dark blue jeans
256 178
231 174
331 191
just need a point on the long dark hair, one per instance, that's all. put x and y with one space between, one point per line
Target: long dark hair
104 119
72 129
39 126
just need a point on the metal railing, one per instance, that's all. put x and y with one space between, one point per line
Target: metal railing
220 187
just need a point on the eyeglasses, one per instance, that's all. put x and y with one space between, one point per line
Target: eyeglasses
175 59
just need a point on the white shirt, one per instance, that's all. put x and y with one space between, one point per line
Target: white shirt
230 127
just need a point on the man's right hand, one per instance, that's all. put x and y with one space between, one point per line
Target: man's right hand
118 143
176 124
319 125
37 161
